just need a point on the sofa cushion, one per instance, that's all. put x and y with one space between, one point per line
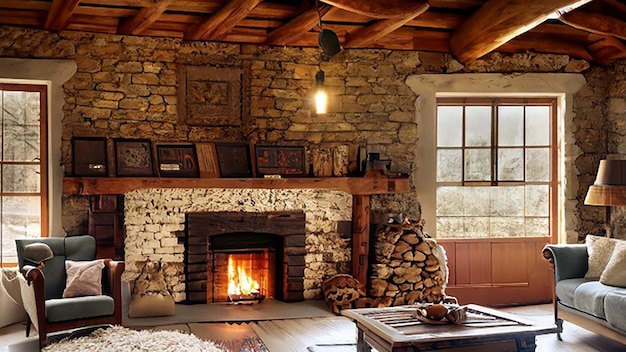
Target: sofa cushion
615 272
63 309
599 250
565 290
615 308
589 297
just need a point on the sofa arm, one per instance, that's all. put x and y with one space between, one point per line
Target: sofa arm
112 284
569 260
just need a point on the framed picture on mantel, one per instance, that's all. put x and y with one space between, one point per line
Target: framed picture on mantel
280 160
89 156
177 160
133 158
234 159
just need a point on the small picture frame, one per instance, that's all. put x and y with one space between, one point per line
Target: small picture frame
89 157
177 160
280 160
133 158
234 159
207 160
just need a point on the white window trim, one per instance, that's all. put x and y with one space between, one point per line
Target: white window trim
563 86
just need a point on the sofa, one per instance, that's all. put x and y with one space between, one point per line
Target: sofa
590 285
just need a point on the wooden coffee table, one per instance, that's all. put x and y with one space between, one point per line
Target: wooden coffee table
394 329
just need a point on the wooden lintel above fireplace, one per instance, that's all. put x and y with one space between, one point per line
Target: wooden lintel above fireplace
351 185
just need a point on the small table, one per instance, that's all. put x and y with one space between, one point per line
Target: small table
395 329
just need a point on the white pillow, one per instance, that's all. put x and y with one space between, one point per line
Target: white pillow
615 272
83 278
599 250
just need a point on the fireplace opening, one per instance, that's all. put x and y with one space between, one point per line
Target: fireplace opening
270 246
243 275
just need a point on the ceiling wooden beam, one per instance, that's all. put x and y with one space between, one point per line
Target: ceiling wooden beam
144 18
499 21
595 23
223 21
292 30
372 33
379 8
60 13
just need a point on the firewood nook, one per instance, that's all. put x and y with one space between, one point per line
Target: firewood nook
361 189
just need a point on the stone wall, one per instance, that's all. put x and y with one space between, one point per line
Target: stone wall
127 87
154 215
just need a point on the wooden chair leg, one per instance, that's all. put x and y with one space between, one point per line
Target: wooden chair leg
28 324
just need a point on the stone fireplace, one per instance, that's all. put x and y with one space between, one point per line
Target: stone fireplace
273 244
156 221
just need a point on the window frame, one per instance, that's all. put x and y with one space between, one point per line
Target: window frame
494 102
43 193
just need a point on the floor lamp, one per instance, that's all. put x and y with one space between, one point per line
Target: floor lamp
609 188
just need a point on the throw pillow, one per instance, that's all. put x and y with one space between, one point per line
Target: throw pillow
84 278
615 272
599 250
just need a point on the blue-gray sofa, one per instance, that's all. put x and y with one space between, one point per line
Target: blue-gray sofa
587 303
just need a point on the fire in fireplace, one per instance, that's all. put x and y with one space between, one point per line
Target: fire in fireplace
250 276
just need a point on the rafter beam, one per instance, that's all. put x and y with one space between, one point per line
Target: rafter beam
499 21
294 29
223 21
60 13
595 23
379 8
372 33
144 18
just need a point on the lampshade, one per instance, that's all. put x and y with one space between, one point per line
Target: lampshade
37 252
609 187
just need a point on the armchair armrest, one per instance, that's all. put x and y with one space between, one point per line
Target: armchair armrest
35 278
569 260
112 284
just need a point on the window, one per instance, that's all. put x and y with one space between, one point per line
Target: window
23 160
495 167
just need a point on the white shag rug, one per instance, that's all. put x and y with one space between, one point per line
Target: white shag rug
121 339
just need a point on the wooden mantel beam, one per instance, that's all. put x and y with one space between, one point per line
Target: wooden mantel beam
294 29
499 21
379 8
60 13
372 33
595 23
144 18
223 21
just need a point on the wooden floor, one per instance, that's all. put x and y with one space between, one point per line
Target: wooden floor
330 334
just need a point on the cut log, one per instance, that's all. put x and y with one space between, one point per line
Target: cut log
343 291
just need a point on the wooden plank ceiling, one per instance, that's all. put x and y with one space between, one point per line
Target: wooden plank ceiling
593 30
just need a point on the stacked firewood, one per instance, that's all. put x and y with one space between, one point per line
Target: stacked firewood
409 266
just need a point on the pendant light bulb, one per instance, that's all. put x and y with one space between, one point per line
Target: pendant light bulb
321 98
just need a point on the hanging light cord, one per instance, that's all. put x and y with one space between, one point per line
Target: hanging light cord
319 14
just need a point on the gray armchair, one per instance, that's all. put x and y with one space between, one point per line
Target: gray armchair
55 313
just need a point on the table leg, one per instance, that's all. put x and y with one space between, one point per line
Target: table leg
361 345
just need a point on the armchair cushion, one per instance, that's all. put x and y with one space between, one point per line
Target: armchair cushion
615 272
599 250
64 309
84 278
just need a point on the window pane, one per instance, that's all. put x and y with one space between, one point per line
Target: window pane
478 126
449 165
537 200
538 125
536 227
507 201
449 227
476 201
477 165
511 164
538 165
449 201
20 178
449 126
20 218
476 227
507 226
20 116
510 125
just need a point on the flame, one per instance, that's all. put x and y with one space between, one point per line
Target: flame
239 283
